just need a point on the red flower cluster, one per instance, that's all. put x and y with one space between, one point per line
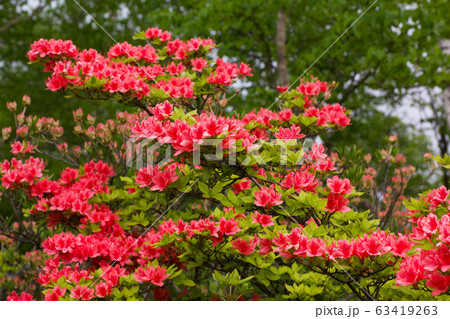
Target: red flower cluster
177 87
226 72
118 73
438 196
245 247
339 186
71 193
375 244
126 50
432 265
17 175
318 159
267 197
155 177
102 248
151 274
155 33
185 138
300 181
198 64
337 203
329 114
266 116
241 186
282 89
162 110
55 294
262 219
24 296
286 134
21 148
313 88
82 293
52 48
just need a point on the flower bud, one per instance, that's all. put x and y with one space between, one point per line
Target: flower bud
29 120
121 118
39 126
90 132
77 151
56 132
393 139
368 158
78 130
381 214
334 157
87 146
428 157
123 130
406 171
78 116
398 181
111 125
63 148
90 119
22 131
389 189
400 160
6 132
11 106
26 100
104 136
20 119
367 181
223 103
371 171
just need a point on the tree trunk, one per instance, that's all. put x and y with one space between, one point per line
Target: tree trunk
444 140
445 47
283 79
443 146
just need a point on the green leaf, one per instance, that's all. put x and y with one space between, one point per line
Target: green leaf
232 197
189 283
217 188
204 188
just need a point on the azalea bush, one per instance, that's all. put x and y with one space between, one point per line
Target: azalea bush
174 200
